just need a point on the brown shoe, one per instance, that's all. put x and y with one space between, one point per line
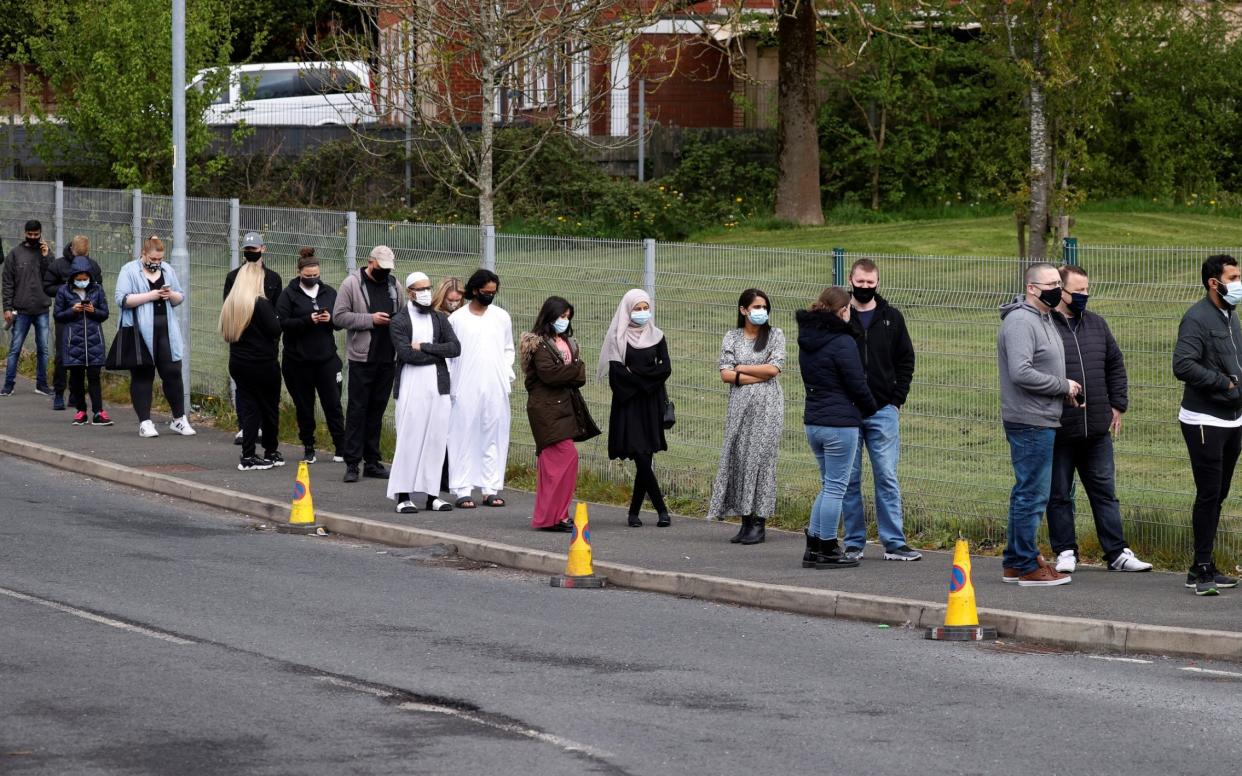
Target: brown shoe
1012 575
1043 576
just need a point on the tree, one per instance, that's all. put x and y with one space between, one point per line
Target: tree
797 130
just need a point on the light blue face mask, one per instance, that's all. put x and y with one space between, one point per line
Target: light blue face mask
82 283
560 325
640 317
1233 292
757 317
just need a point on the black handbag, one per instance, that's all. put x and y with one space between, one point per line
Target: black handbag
670 414
128 351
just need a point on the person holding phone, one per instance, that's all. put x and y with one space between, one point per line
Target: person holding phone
1084 442
81 308
364 307
26 305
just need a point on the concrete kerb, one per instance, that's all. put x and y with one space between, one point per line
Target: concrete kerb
1073 632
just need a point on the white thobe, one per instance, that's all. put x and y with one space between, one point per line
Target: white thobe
482 377
422 419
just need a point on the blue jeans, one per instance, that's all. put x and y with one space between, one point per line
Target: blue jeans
21 326
882 438
834 448
1030 449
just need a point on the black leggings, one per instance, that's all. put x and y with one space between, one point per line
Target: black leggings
645 484
81 379
258 387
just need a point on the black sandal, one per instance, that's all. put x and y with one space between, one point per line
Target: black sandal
493 501
465 502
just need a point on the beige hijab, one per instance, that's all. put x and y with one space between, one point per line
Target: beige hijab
623 333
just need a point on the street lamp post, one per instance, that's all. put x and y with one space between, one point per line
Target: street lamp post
180 253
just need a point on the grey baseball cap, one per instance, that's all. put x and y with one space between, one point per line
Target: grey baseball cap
252 240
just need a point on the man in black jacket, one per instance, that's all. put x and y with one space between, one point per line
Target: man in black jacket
55 276
26 306
1084 441
252 250
888 359
1207 360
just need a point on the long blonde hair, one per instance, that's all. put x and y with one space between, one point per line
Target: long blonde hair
238 308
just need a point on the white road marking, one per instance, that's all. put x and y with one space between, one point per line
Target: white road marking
348 685
1212 672
85 615
1121 659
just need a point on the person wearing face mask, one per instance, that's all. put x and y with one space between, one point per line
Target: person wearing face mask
26 304
311 362
365 304
81 308
634 358
1084 441
837 401
558 415
888 359
252 253
482 377
751 359
1206 358
424 342
54 279
1033 390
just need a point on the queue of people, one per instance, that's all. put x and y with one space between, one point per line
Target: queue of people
446 354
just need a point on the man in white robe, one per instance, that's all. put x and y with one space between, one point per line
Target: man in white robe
481 378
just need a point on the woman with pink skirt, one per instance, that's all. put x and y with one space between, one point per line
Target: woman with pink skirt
558 414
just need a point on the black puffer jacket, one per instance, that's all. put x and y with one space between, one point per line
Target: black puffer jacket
1094 361
832 372
1206 358
887 353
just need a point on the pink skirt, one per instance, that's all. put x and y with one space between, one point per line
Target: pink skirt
558 476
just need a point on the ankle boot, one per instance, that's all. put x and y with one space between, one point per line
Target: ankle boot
831 557
811 556
756 533
663 520
741 531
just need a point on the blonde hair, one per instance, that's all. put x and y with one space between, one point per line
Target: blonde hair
238 308
152 244
80 245
447 286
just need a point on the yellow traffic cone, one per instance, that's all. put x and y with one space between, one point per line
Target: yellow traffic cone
578 571
961 619
302 513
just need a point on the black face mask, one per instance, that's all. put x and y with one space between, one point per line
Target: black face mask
484 299
379 274
1078 303
863 295
310 282
1051 297
252 255
32 243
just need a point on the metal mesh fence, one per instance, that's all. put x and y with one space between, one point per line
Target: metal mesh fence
955 471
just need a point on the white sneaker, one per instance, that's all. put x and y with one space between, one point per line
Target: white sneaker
1066 562
182 426
1128 561
146 429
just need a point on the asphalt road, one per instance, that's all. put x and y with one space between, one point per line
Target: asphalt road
139 636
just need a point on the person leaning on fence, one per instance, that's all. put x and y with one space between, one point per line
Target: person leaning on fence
1084 441
249 324
55 277
310 363
837 401
554 370
253 249
26 304
148 339
888 360
751 359
482 380
1033 390
1207 360
365 304
634 358
80 310
424 342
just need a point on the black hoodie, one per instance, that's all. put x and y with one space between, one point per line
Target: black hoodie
887 353
307 342
59 271
832 372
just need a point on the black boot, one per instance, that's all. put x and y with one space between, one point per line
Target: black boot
811 556
663 520
756 533
831 557
737 537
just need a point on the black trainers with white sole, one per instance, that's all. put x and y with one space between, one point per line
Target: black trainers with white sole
253 463
1219 580
902 553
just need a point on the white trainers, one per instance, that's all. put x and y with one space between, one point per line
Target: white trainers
182 426
146 430
1128 561
1066 562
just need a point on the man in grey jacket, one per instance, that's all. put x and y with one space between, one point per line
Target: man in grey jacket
1033 391
365 303
26 305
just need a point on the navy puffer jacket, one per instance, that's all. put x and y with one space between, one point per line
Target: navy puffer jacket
832 371
82 338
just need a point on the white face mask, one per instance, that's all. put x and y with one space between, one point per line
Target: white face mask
423 297
1233 292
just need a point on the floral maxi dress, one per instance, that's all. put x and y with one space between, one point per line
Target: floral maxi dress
746 480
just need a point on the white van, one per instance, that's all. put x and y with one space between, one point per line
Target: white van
293 94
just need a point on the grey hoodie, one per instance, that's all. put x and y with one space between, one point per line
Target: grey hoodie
352 313
1031 357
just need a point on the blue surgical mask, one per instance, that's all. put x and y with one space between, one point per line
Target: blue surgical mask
560 325
1233 293
82 283
640 317
758 317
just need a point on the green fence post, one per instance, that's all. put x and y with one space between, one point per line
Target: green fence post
838 266
1069 250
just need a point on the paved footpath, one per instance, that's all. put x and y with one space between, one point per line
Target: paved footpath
1106 601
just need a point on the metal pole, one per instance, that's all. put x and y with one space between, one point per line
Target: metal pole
838 266
649 250
409 120
136 226
1070 249
489 247
351 242
59 229
642 130
234 233
180 252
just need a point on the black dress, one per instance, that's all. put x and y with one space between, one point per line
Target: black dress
636 423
